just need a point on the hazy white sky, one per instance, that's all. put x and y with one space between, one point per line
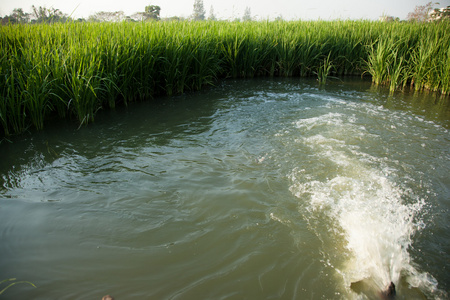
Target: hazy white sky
230 9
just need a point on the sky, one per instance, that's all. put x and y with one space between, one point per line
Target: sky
232 9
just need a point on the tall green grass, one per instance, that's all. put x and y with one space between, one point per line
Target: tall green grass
72 70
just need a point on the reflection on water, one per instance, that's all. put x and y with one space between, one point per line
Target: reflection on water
255 189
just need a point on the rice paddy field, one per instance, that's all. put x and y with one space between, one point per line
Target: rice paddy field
265 167
72 70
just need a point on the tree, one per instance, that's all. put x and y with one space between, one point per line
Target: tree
420 13
106 16
39 14
17 16
199 11
20 16
212 17
247 15
47 15
152 12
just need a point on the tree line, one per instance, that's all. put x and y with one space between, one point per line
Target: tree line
52 15
41 14
38 15
151 13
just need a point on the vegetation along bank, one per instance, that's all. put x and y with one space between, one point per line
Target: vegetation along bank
73 69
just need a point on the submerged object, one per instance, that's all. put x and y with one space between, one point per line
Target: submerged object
390 292
368 288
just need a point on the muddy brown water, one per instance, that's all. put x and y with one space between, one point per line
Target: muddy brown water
254 189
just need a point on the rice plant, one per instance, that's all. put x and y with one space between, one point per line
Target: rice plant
13 113
378 61
74 69
12 282
82 87
324 70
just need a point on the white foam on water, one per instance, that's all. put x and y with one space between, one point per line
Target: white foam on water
362 198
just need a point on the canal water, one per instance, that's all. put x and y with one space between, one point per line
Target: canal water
254 189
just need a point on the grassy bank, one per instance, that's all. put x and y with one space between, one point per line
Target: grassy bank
72 70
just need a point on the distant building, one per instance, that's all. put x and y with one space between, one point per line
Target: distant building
439 13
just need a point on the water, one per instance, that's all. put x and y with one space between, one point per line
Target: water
261 189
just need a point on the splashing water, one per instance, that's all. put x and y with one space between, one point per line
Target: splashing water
358 196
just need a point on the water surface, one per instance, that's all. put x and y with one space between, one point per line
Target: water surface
261 189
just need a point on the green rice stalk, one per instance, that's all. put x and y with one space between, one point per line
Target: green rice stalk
324 69
377 63
232 53
82 87
36 84
309 53
206 65
13 102
13 283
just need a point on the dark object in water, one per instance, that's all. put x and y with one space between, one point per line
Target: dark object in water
368 288
390 292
